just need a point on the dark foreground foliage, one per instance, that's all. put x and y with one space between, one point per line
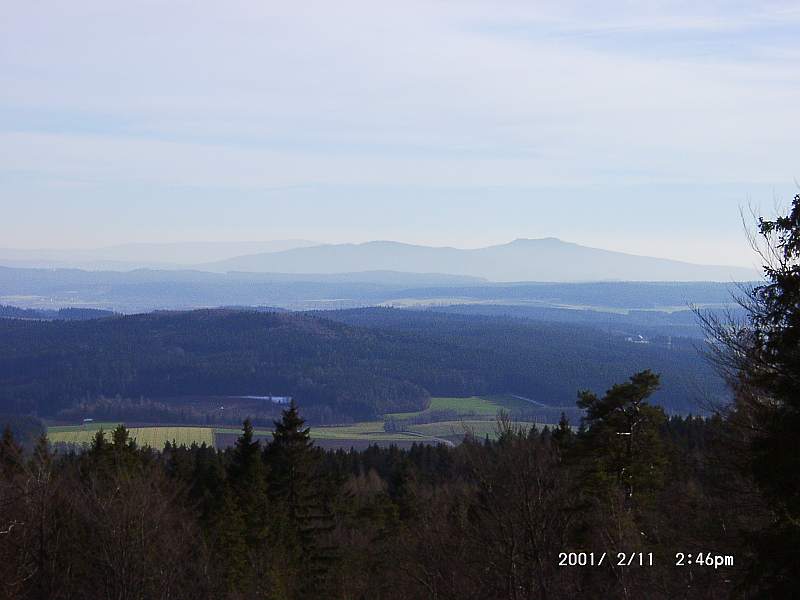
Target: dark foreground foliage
487 519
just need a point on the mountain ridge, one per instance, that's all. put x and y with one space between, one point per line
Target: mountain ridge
522 259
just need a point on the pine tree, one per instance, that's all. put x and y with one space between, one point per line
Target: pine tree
297 486
226 535
761 361
99 442
291 459
562 435
246 458
207 481
120 438
123 449
248 482
622 437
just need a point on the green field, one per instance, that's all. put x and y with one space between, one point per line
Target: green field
238 431
484 406
154 437
427 432
362 431
450 429
365 431
372 431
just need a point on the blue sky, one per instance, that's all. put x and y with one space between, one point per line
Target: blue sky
634 126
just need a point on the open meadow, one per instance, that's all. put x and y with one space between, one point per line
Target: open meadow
478 406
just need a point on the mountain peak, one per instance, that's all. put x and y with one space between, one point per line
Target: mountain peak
544 240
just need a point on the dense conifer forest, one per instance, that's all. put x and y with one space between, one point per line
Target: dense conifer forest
347 365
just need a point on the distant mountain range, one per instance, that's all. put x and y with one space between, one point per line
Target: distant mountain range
547 259
531 260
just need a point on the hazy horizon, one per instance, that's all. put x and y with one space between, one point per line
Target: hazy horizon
202 248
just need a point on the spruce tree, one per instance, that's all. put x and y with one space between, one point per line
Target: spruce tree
99 442
297 485
247 479
291 460
123 450
226 536
562 435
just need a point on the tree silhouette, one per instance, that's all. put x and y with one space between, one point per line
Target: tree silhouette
296 484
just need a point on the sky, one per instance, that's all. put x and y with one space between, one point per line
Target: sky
635 126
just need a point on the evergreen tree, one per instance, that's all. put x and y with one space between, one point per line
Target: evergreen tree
761 359
297 486
207 483
248 482
622 436
123 450
246 458
291 459
562 435
227 538
99 442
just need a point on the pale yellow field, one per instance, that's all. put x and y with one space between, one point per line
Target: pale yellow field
154 437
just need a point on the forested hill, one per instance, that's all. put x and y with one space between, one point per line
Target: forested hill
546 361
47 366
357 363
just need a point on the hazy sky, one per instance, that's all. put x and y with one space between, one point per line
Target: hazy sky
637 126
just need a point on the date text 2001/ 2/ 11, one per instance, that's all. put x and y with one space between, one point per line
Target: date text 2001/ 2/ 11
597 559
641 559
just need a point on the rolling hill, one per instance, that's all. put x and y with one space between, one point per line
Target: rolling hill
354 364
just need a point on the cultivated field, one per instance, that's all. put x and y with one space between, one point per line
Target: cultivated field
358 435
480 406
154 437
364 431
453 429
